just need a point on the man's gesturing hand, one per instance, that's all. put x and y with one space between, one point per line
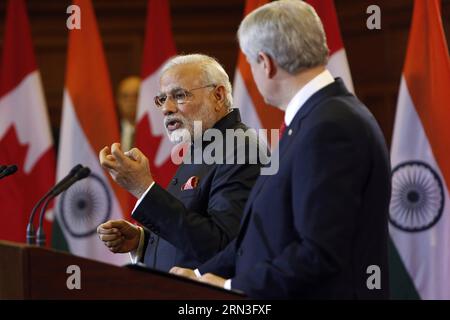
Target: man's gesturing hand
130 170
119 236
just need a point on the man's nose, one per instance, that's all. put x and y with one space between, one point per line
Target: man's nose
169 107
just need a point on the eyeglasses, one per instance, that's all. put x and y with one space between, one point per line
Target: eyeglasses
178 95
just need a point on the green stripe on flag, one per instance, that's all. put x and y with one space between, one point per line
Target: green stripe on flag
401 284
59 242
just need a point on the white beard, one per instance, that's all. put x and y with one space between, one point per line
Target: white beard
180 135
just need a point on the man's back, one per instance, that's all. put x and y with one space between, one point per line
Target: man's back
313 229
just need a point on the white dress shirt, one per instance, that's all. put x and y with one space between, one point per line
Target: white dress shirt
136 255
319 82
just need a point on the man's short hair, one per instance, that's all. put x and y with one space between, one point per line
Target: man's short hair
289 31
213 72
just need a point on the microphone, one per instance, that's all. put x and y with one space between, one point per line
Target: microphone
30 228
8 170
79 175
64 185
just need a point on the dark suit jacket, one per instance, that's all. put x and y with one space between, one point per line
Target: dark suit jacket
186 228
313 229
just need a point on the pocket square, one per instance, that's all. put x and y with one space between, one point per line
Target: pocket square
192 183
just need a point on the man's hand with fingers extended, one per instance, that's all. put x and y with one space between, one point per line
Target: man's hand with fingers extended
119 236
130 170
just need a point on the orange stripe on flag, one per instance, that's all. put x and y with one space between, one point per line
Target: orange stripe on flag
427 74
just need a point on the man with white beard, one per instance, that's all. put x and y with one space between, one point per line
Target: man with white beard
200 212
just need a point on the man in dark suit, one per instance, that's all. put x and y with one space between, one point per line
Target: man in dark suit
200 212
318 228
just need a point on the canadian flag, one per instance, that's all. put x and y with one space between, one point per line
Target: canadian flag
255 113
337 62
25 137
151 137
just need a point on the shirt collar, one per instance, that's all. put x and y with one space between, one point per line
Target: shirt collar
320 81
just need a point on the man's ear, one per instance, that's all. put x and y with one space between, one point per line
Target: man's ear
270 68
219 94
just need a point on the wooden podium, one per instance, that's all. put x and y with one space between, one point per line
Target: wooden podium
30 272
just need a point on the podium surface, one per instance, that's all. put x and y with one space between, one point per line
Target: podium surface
30 272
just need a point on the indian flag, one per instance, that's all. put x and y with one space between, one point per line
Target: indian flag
88 124
419 210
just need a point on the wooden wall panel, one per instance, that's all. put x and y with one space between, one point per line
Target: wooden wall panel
375 57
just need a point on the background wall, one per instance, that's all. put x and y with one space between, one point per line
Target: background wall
375 57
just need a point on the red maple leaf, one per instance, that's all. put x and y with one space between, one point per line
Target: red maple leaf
20 192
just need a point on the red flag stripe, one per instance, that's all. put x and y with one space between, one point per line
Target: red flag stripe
18 61
269 117
24 112
326 10
159 44
158 48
